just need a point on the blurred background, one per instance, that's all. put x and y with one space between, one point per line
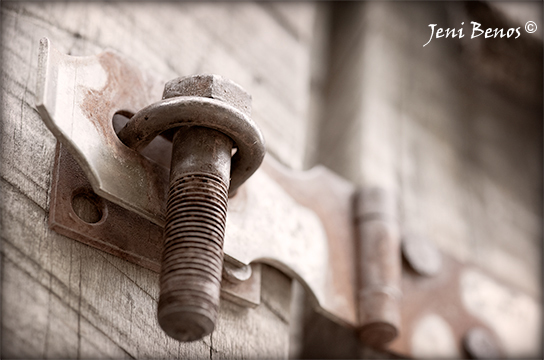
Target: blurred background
454 128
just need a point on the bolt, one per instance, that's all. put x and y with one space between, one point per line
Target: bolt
422 255
192 260
479 343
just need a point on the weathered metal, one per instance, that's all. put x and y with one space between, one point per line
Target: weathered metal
439 296
265 200
192 259
422 255
236 274
327 271
245 293
196 212
77 98
310 212
116 231
378 241
211 102
480 343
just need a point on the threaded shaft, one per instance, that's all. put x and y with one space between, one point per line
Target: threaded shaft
193 236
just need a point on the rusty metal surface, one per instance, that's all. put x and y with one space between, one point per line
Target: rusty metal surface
422 295
480 343
116 232
77 98
379 265
236 274
194 232
301 246
439 296
246 292
209 115
422 255
330 197
208 101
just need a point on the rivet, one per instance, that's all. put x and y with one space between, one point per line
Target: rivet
421 255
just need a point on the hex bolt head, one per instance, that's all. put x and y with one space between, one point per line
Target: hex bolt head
479 343
196 214
210 86
422 255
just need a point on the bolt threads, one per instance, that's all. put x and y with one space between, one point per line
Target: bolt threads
192 262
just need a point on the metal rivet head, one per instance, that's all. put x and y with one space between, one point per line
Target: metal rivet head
479 343
422 255
236 274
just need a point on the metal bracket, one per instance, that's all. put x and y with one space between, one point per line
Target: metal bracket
320 221
78 97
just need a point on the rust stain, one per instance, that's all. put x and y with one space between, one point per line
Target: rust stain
441 295
125 89
329 198
115 233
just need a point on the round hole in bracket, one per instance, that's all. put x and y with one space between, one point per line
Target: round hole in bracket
159 149
120 119
88 206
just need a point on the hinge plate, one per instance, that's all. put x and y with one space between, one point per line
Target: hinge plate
77 98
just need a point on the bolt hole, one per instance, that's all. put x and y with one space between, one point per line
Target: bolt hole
120 119
88 206
159 149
